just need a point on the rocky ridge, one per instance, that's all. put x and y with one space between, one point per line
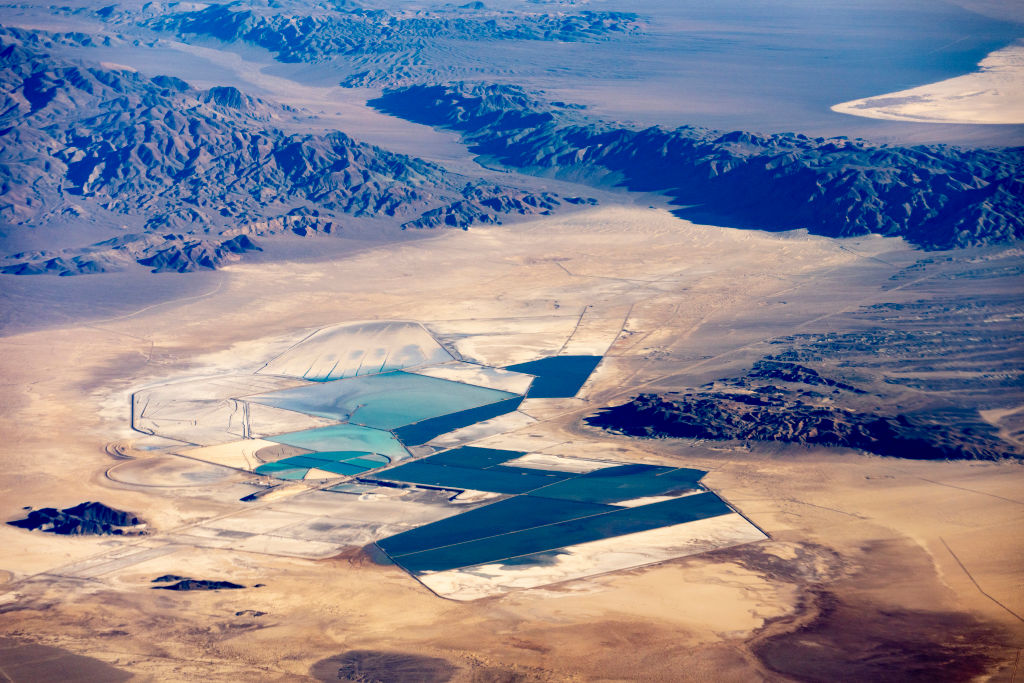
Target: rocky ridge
387 46
186 584
200 173
934 196
85 519
772 415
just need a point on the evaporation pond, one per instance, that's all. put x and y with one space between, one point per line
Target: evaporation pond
506 516
425 430
560 534
557 376
384 401
345 438
625 482
518 481
473 457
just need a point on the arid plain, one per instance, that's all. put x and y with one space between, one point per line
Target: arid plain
874 568
870 560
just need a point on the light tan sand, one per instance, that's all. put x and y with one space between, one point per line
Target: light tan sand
238 454
910 537
993 94
479 375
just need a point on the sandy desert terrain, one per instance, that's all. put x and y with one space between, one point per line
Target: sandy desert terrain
832 564
870 560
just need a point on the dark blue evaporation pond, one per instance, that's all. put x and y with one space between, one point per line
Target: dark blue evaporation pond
481 469
584 529
511 514
557 376
548 510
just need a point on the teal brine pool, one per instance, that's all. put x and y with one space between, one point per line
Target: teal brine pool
345 438
342 463
384 401
425 430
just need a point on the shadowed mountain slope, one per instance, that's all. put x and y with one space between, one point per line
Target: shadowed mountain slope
933 196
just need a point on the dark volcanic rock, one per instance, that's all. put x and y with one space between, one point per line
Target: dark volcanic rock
934 196
88 518
166 578
184 255
720 416
199 585
791 372
172 83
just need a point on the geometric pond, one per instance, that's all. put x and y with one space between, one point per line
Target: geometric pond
377 409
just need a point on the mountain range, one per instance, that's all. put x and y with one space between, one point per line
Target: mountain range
934 196
179 175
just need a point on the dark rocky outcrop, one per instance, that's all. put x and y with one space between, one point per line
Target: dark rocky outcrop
792 372
907 381
226 97
934 196
169 577
778 417
85 519
199 585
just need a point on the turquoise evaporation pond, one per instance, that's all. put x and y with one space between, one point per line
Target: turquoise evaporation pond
345 437
384 401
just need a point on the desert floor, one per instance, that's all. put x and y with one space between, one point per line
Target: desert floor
876 568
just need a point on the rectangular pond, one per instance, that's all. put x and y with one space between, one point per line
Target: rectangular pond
560 534
511 514
614 484
422 432
557 376
473 456
345 437
447 476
